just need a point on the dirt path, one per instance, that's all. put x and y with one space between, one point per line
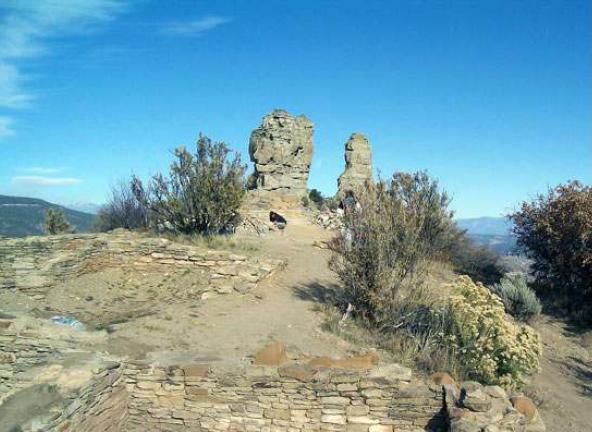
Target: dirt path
232 327
563 389
277 309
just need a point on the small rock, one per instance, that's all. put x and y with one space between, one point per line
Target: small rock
496 392
476 400
207 295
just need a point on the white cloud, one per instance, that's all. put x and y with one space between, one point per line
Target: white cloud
26 28
6 129
42 170
194 27
12 94
45 181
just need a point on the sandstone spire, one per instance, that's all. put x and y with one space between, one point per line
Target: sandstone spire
358 164
281 149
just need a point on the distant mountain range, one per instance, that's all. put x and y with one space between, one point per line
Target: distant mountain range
20 216
493 232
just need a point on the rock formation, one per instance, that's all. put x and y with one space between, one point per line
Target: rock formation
281 149
358 164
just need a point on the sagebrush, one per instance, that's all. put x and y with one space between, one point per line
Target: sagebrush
394 230
202 193
518 298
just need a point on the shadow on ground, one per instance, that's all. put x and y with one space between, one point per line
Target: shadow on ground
329 294
583 373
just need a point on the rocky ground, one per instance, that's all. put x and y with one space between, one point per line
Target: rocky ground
149 315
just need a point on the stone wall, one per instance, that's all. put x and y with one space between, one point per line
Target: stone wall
318 394
34 264
197 397
29 364
19 353
100 406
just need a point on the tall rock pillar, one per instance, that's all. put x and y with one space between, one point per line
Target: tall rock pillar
281 149
358 164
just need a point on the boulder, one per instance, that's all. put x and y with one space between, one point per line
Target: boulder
281 149
358 164
477 400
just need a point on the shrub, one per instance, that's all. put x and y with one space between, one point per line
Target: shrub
489 345
478 262
520 301
387 240
56 222
122 211
202 193
555 231
316 197
305 201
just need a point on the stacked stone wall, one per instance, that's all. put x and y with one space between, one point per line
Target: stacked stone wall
294 398
99 406
35 264
19 353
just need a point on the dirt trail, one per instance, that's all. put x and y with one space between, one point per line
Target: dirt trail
563 389
278 308
232 327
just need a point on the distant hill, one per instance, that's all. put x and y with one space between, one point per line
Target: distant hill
486 225
20 216
493 232
84 207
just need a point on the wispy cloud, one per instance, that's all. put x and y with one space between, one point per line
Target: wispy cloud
26 27
41 170
6 129
194 27
45 181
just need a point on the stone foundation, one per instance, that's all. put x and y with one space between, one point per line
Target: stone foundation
261 398
34 264
313 394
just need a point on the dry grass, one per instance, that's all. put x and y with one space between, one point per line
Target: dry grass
218 242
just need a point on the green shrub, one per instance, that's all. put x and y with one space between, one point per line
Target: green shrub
202 194
555 231
56 222
122 210
305 201
490 346
387 240
520 301
316 197
478 262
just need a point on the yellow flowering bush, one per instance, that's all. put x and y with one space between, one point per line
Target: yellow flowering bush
491 347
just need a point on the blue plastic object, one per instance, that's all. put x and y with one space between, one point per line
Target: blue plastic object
69 321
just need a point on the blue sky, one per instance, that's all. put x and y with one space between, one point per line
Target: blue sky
494 98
